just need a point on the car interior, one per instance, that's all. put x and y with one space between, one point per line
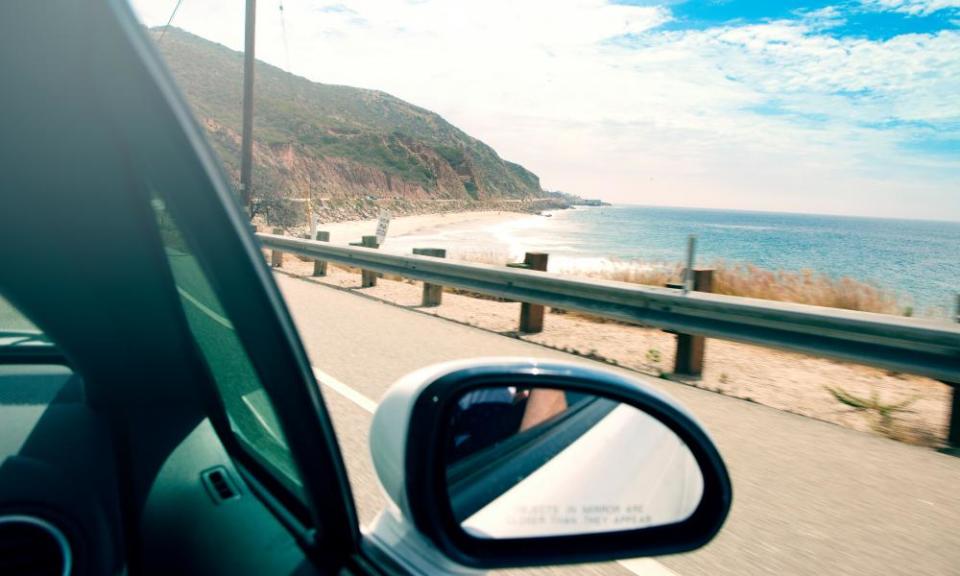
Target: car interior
117 454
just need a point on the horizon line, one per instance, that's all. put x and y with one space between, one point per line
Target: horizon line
782 212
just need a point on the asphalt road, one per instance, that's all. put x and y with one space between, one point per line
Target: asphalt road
809 497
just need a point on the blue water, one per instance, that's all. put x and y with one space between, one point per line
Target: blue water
918 260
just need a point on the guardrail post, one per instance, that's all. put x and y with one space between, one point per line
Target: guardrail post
690 349
276 257
368 278
953 425
320 266
531 315
432 293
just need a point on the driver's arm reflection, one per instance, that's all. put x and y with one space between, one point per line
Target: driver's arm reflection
487 416
543 404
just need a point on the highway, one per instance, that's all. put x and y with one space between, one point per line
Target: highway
809 497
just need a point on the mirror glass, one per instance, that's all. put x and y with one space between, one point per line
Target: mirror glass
527 462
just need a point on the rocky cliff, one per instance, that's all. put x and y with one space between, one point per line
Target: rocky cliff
348 151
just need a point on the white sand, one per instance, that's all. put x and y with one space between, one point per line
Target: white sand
421 225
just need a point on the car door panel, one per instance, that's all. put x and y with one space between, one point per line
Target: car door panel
187 527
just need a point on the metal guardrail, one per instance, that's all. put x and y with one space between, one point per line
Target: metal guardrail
911 345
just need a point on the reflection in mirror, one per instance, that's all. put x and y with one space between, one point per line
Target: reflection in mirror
532 462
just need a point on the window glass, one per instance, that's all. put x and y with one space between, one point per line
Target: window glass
250 413
15 329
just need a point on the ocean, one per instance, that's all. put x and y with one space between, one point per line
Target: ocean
917 260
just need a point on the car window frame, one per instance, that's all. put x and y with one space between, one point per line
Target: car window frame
165 143
289 489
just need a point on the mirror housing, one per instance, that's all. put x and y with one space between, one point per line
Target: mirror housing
409 438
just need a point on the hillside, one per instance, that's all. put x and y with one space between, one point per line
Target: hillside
356 150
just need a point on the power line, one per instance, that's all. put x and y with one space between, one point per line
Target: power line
169 20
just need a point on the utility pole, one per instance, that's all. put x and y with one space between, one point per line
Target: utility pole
246 152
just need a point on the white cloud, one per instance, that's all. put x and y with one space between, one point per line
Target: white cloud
777 115
913 7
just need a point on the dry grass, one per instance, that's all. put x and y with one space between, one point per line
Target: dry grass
636 273
803 287
492 257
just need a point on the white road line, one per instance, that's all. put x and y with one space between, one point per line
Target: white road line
203 308
646 567
638 566
345 391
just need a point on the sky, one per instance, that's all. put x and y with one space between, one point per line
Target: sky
837 106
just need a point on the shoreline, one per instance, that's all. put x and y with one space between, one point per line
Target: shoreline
497 237
420 224
592 242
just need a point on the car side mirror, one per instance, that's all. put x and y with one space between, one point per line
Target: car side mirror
510 462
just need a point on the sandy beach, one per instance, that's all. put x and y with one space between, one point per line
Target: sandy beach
782 380
404 228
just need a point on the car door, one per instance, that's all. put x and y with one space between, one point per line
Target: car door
273 421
